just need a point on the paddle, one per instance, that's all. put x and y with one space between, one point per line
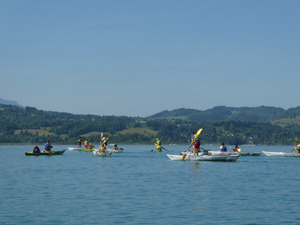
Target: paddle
183 157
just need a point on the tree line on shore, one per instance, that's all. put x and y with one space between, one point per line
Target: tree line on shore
65 128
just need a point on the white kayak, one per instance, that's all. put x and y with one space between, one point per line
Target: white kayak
236 153
120 150
205 157
229 153
102 154
74 149
284 154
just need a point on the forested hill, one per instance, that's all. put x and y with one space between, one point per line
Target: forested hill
30 125
221 113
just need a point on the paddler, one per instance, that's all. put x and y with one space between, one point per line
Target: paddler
103 140
296 148
196 142
36 149
79 142
222 148
236 149
48 146
158 145
86 143
102 148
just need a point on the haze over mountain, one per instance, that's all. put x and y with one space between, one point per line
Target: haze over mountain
9 102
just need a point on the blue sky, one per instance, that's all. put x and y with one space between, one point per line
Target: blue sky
137 58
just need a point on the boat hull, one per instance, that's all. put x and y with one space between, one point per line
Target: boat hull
52 153
208 157
88 150
113 150
281 154
102 154
74 149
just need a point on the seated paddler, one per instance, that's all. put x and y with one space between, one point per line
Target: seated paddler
48 146
36 149
158 145
296 148
222 148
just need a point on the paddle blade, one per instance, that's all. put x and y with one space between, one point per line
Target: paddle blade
199 131
183 157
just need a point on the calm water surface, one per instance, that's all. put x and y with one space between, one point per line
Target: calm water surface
143 187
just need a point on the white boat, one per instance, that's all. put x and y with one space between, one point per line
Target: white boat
74 149
282 154
236 153
205 157
229 153
120 150
102 154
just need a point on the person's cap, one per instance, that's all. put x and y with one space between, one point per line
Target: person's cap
36 146
48 140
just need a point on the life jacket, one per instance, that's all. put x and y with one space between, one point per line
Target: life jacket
47 147
238 150
79 140
102 149
116 148
298 148
195 138
223 149
36 150
158 148
158 142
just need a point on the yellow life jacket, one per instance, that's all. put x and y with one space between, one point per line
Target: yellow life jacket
238 150
116 148
158 142
102 149
158 148
196 138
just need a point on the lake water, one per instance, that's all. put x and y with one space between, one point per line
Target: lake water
143 187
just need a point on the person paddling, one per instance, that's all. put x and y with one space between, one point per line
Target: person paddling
48 146
36 149
222 148
196 142
86 143
79 142
158 145
296 148
235 149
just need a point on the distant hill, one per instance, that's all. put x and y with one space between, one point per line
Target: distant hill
8 102
220 113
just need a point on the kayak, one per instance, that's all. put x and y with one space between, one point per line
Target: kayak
120 150
284 154
205 157
102 154
229 153
236 153
74 149
88 150
51 153
250 153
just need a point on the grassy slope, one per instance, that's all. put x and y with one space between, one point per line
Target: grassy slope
286 121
